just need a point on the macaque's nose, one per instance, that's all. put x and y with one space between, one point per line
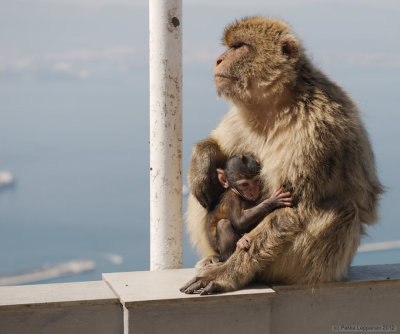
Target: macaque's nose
219 61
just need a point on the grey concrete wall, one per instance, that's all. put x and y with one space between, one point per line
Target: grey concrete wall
87 307
150 302
329 309
153 304
240 316
76 319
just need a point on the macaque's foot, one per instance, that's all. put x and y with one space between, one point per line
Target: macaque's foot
209 260
200 286
209 281
244 242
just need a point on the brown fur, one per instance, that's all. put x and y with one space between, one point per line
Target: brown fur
230 207
308 136
221 211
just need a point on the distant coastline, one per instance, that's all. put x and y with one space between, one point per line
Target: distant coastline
377 246
49 271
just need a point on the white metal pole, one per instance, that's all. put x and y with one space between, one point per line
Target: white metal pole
165 134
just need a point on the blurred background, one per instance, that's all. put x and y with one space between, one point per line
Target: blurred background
74 118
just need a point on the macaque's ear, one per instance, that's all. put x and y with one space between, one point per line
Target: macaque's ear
222 178
289 47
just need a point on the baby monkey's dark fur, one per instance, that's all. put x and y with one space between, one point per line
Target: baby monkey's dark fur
238 212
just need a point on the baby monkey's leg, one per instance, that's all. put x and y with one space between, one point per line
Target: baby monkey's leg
227 238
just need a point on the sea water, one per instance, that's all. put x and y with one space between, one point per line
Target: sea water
79 152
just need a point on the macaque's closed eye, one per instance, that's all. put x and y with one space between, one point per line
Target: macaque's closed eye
237 45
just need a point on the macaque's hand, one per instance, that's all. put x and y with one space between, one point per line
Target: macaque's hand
280 198
244 242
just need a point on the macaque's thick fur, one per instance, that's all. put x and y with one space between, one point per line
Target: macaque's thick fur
307 134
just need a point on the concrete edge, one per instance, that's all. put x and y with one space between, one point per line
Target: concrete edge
55 305
85 293
162 288
57 295
334 285
196 298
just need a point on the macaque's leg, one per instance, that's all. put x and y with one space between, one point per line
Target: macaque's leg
227 238
269 239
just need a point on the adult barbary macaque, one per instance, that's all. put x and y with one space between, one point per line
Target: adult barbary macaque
307 134
238 212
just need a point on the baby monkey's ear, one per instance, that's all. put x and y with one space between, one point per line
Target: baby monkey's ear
222 178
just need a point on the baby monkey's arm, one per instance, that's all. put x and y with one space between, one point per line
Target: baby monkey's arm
249 218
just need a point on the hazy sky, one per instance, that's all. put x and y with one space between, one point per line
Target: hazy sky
58 45
74 112
84 38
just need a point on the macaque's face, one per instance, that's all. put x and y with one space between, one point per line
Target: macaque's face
249 188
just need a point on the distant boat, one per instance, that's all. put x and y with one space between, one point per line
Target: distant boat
6 179
48 272
185 190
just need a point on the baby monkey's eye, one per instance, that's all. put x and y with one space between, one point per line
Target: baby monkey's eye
256 180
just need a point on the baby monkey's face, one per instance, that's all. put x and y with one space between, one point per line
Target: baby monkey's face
249 188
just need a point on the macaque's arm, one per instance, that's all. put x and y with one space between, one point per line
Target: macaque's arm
246 220
202 176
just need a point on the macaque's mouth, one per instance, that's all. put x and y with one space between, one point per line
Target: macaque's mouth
222 76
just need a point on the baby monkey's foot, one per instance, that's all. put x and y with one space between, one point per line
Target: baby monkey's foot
244 242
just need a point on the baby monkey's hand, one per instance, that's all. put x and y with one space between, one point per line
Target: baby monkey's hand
280 198
243 243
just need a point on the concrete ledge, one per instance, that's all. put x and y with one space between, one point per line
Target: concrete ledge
150 302
162 287
87 307
56 295
370 296
153 304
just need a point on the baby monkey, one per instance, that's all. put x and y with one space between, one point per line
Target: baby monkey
237 212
